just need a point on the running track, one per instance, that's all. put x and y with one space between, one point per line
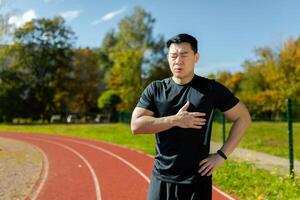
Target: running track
83 169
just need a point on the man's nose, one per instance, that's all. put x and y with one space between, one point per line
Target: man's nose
178 59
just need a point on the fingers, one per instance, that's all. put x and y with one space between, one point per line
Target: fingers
197 114
208 170
196 127
205 169
210 173
210 164
190 119
199 121
185 107
203 161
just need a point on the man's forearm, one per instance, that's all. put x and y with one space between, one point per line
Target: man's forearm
149 124
143 120
237 131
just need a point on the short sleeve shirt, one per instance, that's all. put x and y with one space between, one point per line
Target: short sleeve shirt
180 150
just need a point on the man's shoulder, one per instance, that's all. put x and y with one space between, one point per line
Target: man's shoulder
203 82
203 79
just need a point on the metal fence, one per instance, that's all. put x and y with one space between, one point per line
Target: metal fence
279 127
124 117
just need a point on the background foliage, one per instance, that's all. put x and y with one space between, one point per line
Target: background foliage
42 72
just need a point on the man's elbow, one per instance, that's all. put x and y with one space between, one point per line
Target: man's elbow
249 120
135 129
246 118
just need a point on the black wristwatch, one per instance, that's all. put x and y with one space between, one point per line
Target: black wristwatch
222 154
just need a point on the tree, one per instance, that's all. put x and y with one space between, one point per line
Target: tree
270 79
289 60
157 66
12 95
4 25
231 81
131 57
85 82
41 54
126 77
104 61
108 102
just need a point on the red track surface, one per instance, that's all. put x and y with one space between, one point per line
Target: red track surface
82 169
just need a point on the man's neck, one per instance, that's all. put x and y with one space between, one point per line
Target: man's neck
183 81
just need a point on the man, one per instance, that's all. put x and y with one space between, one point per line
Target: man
179 110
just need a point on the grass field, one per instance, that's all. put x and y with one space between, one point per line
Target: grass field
264 136
239 178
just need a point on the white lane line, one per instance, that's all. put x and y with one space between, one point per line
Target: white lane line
120 146
128 163
143 153
131 165
95 179
44 176
112 154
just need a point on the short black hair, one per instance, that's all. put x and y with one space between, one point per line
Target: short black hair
183 37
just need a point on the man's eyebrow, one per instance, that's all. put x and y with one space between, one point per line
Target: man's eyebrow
184 52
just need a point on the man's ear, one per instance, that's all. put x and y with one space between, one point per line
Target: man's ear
197 57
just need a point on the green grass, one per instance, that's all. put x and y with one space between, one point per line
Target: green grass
248 182
267 137
238 178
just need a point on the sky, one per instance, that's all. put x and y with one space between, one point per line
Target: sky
228 31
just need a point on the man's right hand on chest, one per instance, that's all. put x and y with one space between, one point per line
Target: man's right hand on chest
185 119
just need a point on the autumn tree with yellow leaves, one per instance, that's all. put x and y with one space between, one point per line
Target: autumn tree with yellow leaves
267 81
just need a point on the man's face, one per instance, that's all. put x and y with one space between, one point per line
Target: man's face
182 60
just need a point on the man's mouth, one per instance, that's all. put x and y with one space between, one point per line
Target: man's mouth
178 69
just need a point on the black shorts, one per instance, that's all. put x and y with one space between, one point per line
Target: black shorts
161 190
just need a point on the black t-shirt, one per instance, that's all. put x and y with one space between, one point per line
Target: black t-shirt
180 150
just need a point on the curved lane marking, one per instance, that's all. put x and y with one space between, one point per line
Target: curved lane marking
131 165
95 179
114 155
44 176
128 163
